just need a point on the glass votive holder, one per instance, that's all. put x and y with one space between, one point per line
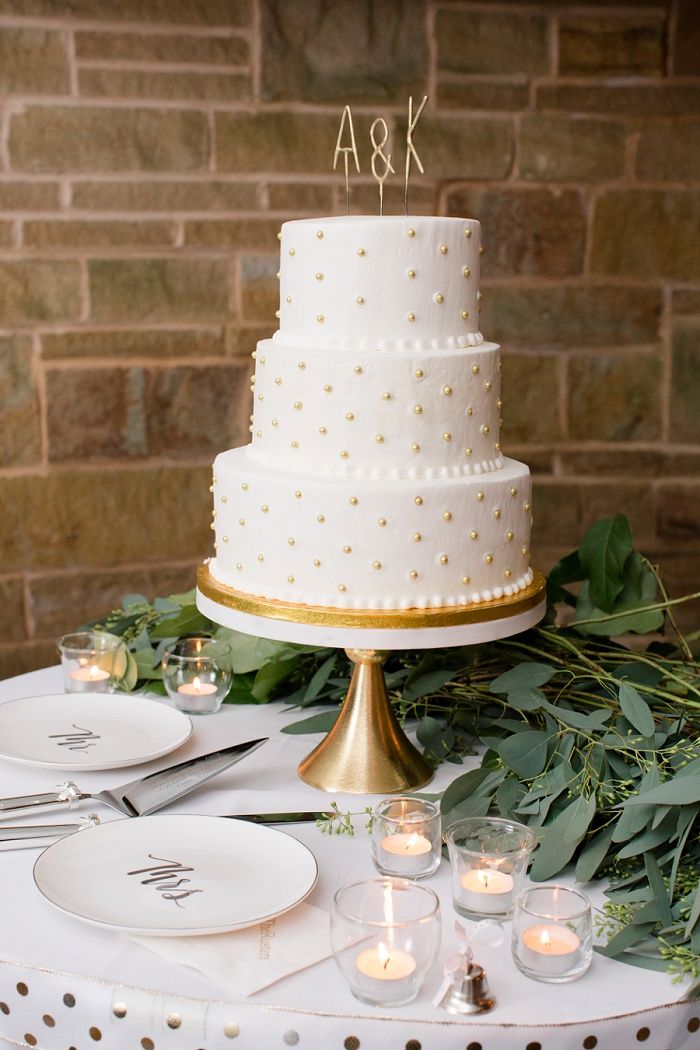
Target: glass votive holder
488 858
552 938
385 935
88 659
197 674
406 837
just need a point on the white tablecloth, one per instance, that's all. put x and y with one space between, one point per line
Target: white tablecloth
46 955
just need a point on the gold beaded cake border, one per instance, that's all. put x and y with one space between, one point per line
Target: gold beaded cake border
402 619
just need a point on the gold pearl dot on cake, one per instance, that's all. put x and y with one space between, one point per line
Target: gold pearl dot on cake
381 522
466 272
473 535
291 541
360 300
497 513
418 501
349 416
212 526
497 446
317 563
464 314
379 438
482 249
265 508
447 516
479 495
411 232
415 447
347 550
376 565
353 501
290 579
213 514
277 314
342 588
439 297
323 430
419 373
298 494
411 317
292 251
225 539
361 251
261 397
279 235
417 537
488 559
344 454
320 518
244 486
411 273
525 550
261 557
357 370
443 249
319 234
470 411
289 298
487 386
278 275
224 499
301 364
320 318
294 444
447 391
475 370
484 428
447 436
418 409
465 580
413 574
526 506
509 535
507 573
241 521
468 451
386 396
211 488
319 276
278 380
444 559
298 405
327 388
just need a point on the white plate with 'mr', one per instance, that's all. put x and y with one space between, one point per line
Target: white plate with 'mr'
74 731
175 875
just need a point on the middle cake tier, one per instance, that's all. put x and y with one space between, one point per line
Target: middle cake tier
378 414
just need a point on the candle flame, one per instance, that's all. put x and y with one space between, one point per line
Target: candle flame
545 939
412 840
483 878
94 671
196 683
383 953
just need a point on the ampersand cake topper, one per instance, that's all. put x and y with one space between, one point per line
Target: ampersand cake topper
378 152
352 148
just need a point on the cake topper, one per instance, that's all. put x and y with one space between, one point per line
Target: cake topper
352 148
410 148
378 152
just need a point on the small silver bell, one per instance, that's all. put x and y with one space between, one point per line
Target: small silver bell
469 992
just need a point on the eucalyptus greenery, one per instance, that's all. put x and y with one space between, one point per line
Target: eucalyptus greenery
588 728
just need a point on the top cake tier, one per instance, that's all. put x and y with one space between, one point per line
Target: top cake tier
385 283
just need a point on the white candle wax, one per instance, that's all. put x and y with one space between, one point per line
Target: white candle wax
93 673
196 688
487 890
405 854
550 950
385 973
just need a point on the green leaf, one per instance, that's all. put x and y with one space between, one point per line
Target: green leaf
524 676
188 621
636 710
319 679
525 753
593 854
626 938
567 570
558 844
658 888
320 723
268 678
431 682
694 914
679 791
130 600
627 616
463 787
603 553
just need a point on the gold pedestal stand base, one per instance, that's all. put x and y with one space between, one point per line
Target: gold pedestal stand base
366 750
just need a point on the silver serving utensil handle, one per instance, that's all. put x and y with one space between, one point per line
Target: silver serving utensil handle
41 835
45 802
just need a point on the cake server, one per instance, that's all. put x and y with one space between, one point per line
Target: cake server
139 797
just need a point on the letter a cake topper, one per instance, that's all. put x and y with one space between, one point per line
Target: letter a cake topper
352 148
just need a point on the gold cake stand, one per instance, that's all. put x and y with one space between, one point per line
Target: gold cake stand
366 750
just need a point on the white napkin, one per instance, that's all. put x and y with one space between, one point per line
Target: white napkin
245 961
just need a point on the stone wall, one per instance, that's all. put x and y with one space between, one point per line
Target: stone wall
149 150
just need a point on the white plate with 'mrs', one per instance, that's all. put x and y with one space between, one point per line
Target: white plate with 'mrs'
74 731
175 875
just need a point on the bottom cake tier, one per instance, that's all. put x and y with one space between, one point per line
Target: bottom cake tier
374 544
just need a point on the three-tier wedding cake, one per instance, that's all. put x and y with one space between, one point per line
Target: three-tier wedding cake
375 478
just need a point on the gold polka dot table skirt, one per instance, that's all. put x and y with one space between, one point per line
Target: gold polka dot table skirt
67 984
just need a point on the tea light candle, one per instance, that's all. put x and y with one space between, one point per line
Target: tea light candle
93 673
196 688
380 966
487 890
405 854
549 949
